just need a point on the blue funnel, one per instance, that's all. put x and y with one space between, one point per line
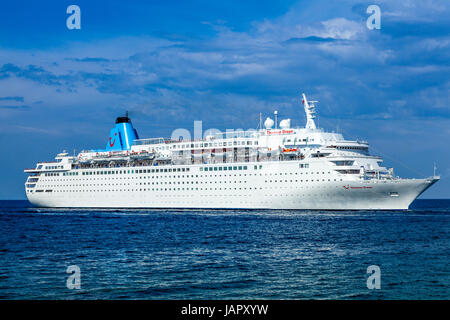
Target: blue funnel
122 135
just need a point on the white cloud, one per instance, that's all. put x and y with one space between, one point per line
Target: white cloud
260 65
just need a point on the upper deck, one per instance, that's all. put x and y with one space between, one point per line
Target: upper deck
274 142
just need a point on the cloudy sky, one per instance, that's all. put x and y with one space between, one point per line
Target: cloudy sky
172 62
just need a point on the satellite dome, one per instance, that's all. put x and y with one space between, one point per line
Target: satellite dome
268 123
285 124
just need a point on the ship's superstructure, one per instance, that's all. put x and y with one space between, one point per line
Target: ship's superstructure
273 167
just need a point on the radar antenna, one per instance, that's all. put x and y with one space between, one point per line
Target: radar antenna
310 110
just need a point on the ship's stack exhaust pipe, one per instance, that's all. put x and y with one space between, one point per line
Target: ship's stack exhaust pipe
122 135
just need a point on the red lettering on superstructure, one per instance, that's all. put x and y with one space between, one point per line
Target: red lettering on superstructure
280 132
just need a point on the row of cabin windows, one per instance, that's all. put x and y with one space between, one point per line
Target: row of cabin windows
101 172
182 182
192 176
53 167
215 144
172 189
159 170
87 173
352 148
72 173
52 174
230 168
192 182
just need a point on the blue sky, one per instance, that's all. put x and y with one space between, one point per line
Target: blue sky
172 62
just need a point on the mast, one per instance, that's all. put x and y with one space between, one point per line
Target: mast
260 121
310 110
276 119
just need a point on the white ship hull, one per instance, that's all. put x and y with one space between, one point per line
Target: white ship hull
277 186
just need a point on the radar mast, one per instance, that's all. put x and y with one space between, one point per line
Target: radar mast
310 110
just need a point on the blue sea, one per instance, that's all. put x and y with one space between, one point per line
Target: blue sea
224 254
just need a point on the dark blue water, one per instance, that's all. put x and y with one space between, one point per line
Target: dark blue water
205 254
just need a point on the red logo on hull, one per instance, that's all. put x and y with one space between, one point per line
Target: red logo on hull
347 187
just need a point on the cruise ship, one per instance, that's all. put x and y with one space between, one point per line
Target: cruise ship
274 167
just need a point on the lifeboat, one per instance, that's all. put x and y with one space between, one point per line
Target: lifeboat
142 155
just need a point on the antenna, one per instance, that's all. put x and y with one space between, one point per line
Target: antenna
310 110
276 119
434 169
260 120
